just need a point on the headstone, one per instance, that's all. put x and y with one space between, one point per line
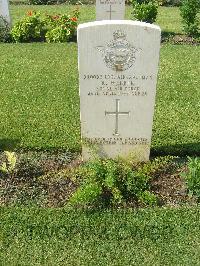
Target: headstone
4 10
110 9
118 65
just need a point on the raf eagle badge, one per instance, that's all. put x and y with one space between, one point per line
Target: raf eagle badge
119 54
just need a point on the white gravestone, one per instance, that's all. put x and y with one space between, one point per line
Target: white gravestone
4 10
110 9
118 65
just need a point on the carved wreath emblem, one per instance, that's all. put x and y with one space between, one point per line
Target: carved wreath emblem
119 54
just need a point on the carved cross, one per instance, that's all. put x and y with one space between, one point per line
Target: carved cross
117 113
110 12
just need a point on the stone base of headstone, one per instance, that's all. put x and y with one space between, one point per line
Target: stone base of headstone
137 153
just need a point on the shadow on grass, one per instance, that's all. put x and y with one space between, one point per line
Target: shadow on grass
167 35
9 144
181 150
14 145
189 149
19 3
53 150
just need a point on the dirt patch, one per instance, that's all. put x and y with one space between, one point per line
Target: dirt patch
44 179
180 39
35 179
171 190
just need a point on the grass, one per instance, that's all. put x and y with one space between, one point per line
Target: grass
177 119
65 237
168 17
39 105
39 109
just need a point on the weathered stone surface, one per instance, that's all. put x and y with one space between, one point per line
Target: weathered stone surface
118 65
110 9
4 10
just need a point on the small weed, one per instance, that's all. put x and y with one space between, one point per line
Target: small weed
147 198
8 166
192 176
113 182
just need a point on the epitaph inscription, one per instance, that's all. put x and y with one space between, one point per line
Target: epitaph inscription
118 64
110 9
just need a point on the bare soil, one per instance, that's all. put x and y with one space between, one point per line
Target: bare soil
180 39
43 179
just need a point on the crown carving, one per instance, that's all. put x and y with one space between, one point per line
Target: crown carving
119 35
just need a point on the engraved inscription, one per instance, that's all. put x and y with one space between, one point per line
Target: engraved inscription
117 140
117 88
119 54
117 77
111 2
119 85
117 113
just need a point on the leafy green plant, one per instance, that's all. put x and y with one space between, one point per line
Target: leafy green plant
57 28
61 28
8 166
59 34
157 165
29 28
192 176
147 198
145 11
87 193
112 182
189 12
4 30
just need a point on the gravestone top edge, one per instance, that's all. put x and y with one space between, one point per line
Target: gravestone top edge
118 22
